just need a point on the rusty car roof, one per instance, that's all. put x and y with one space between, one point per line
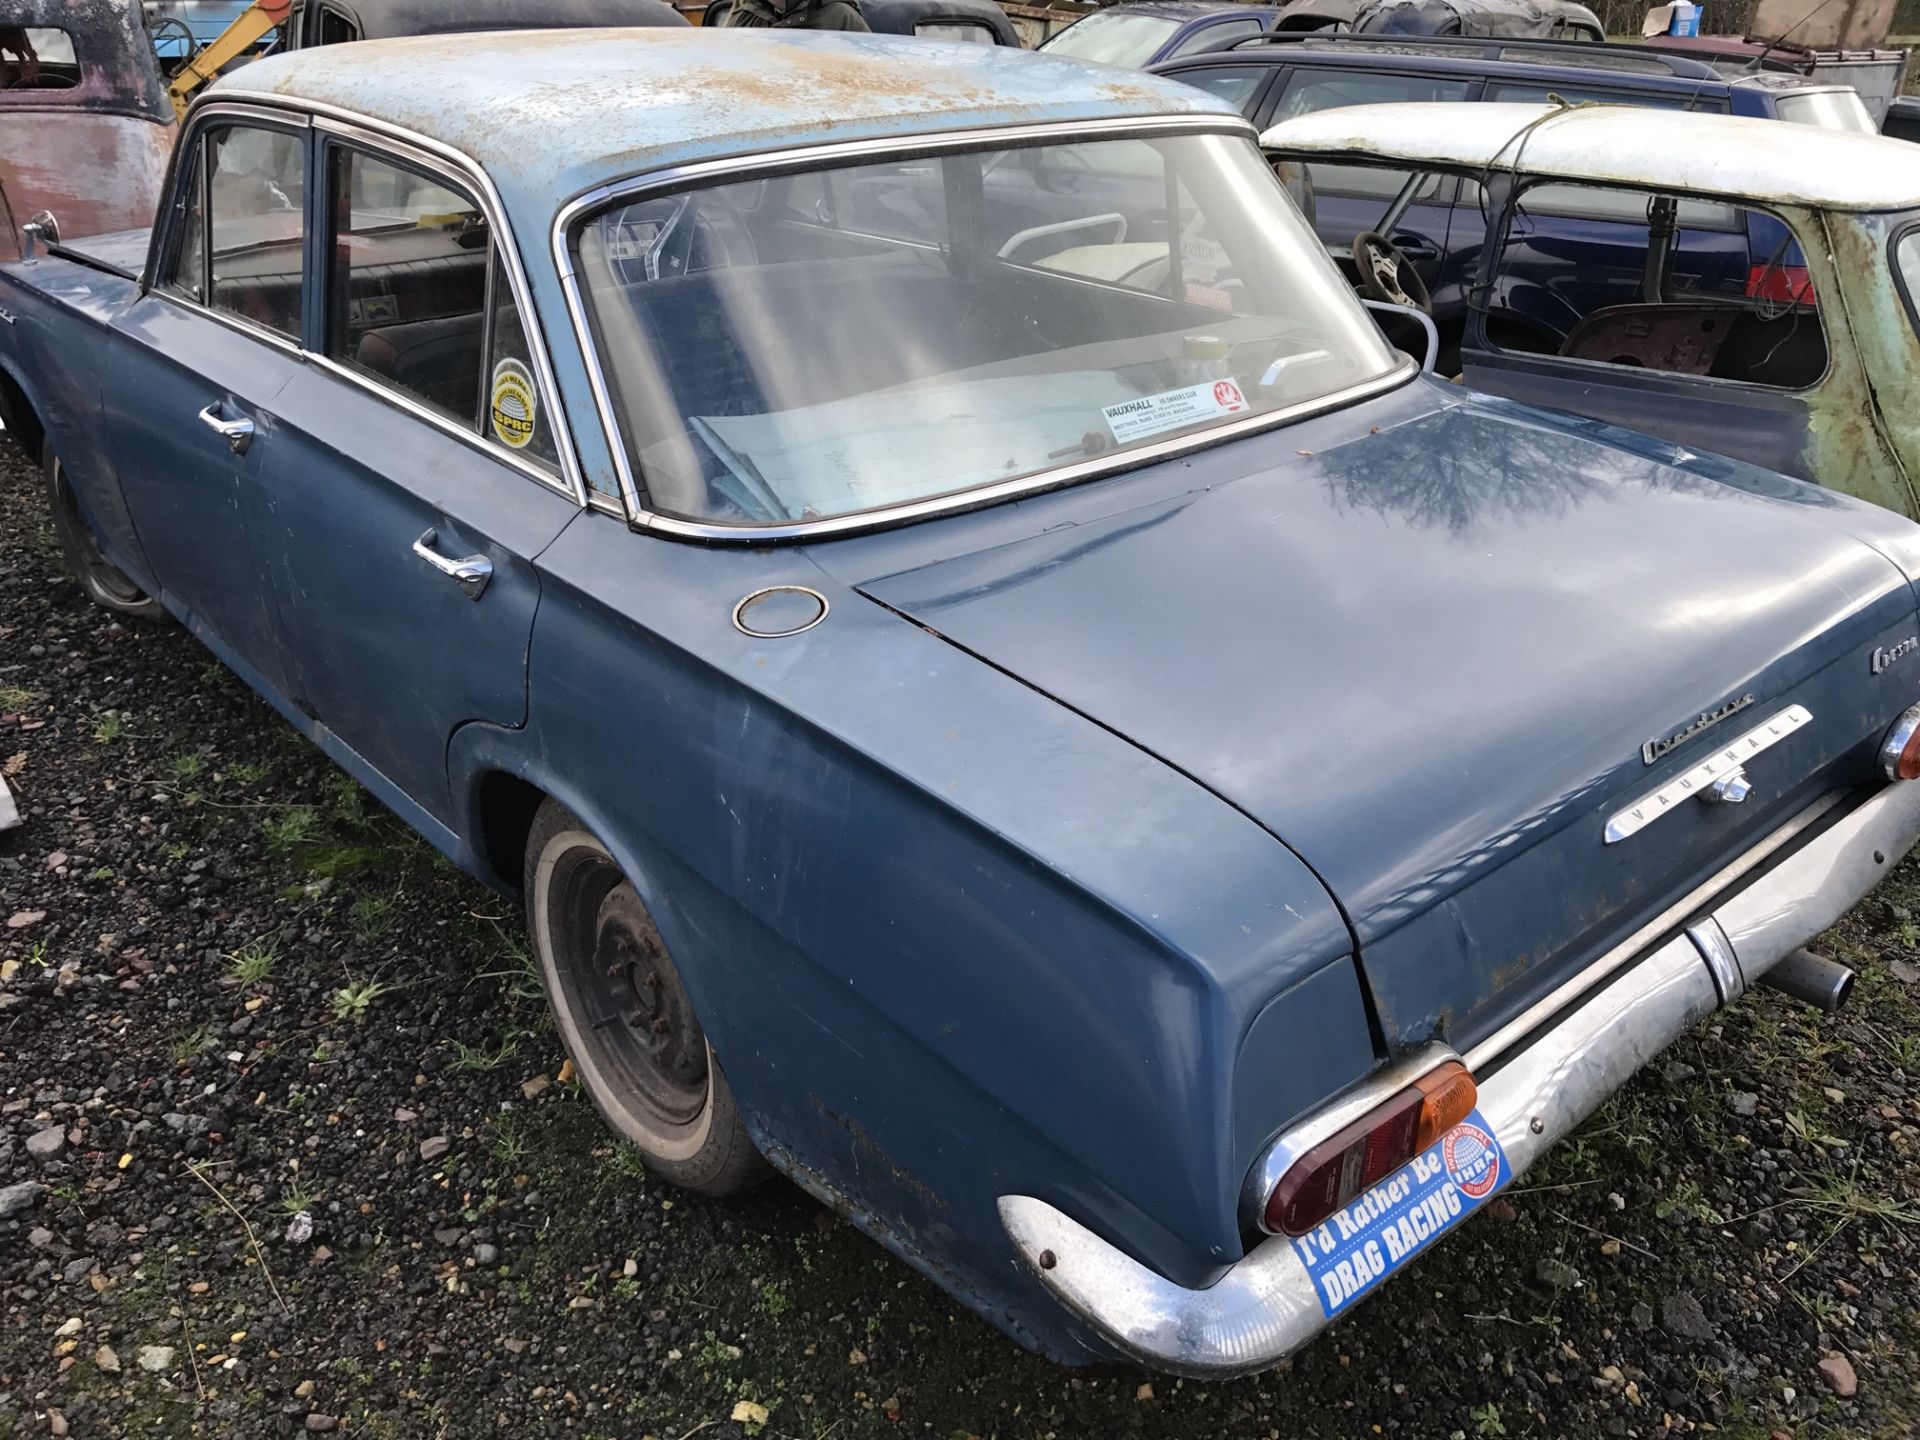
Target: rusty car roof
551 114
1735 157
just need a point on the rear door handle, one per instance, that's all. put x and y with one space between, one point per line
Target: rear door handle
237 433
470 574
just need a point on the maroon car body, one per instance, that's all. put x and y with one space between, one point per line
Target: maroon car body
85 127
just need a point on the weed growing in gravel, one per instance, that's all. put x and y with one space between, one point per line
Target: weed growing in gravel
248 772
510 1136
371 915
290 829
17 697
109 727
353 1000
186 767
484 1057
189 1043
253 963
297 1199
1486 1419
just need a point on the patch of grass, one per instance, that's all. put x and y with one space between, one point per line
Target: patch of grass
346 802
111 726
484 1057
18 697
371 916
253 963
248 772
186 767
290 829
189 1043
352 1001
293 1201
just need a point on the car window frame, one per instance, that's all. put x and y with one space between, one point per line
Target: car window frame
314 120
1907 229
400 157
190 152
1494 241
1196 42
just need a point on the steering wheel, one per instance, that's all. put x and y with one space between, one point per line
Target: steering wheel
1386 274
700 231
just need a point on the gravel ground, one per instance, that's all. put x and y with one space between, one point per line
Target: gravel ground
285 1147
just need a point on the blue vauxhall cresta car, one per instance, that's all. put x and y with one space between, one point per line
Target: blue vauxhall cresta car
1005 699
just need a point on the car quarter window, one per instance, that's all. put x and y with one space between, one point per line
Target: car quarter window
256 223
1217 37
1617 276
186 272
418 301
1235 84
1906 263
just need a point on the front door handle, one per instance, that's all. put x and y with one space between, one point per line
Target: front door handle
470 574
237 433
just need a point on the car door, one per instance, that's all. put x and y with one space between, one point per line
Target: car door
419 473
195 368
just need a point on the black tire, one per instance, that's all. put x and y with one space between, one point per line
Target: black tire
104 582
623 1014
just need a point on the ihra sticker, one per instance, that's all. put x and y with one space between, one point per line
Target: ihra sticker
1362 1243
512 408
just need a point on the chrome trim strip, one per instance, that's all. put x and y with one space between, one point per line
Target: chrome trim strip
1484 1055
402 401
1631 819
1264 1307
947 142
349 125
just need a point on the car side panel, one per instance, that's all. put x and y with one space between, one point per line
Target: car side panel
1011 899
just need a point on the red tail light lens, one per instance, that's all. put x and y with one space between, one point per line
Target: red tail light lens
1900 751
1784 284
1369 1150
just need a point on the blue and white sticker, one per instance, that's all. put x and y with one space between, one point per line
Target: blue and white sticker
1383 1228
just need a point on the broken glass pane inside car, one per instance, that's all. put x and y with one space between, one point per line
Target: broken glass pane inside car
1001 697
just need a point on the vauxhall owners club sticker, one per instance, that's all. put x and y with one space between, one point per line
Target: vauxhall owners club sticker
1365 1241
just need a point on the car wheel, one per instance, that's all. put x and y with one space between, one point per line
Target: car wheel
624 1015
105 583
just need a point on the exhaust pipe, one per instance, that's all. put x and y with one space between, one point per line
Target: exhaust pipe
1820 982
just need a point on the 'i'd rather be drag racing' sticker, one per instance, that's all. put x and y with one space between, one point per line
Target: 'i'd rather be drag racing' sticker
1365 1241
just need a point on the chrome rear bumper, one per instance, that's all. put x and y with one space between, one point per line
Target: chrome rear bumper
1533 1091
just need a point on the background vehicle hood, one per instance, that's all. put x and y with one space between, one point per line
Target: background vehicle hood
1427 660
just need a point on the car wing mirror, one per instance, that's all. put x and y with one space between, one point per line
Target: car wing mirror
42 229
1401 324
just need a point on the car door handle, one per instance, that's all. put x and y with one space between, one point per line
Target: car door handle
470 574
237 433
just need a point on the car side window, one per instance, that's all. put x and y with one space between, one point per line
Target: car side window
412 266
1631 283
256 212
336 29
1309 91
37 59
1235 84
1217 37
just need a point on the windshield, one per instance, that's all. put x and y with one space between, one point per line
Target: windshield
1829 110
1113 39
845 339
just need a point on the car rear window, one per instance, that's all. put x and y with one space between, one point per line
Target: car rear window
37 58
1828 110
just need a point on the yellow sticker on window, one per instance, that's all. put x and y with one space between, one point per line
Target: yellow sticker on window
512 408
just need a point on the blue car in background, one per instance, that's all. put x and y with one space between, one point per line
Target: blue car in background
1439 230
1002 698
1145 32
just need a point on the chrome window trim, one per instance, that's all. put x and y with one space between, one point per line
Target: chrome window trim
942 142
365 130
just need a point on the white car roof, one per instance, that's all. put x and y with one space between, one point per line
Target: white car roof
1735 157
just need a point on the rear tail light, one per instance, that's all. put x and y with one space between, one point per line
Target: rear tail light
1900 751
1370 1149
1785 284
